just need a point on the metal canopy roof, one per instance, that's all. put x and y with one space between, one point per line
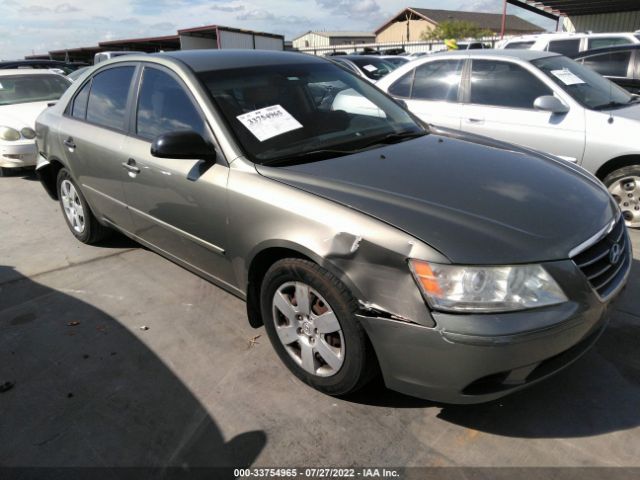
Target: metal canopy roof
555 8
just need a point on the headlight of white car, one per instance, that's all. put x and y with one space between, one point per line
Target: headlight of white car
28 133
9 134
486 289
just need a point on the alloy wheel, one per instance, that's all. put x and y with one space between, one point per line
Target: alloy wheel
72 206
626 191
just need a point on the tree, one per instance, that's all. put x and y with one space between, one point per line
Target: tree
457 29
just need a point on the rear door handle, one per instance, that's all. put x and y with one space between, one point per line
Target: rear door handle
68 142
130 165
475 120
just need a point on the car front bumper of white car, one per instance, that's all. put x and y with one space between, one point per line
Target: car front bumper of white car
18 154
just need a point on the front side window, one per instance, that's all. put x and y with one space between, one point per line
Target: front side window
402 86
438 81
565 47
504 84
28 88
107 103
305 111
603 42
164 106
585 86
613 64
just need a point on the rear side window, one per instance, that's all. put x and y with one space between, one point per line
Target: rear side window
519 45
164 106
565 47
107 103
438 81
602 42
504 84
613 64
79 107
402 86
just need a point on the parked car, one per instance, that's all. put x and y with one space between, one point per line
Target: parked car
461 267
370 67
23 95
103 56
569 44
395 60
73 76
619 64
57 66
539 100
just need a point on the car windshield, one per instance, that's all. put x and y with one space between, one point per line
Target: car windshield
374 68
396 61
306 111
587 87
31 88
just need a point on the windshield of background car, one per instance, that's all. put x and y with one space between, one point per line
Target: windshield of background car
583 84
374 68
279 111
31 88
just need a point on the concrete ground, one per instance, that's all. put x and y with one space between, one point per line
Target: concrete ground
91 388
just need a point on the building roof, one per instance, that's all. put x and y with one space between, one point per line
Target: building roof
338 33
576 7
491 21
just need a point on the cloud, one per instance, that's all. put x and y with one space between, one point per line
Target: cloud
227 8
34 10
66 8
265 16
353 8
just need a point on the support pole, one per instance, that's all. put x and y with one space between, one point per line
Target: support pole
504 20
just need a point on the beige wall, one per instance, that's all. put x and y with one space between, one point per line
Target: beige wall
397 31
313 40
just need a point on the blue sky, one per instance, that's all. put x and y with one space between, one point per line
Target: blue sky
38 26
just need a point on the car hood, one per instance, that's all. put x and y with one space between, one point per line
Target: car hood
21 115
476 200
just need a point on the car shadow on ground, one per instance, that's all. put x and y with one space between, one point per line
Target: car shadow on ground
599 393
77 388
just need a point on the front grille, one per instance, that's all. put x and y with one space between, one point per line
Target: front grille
606 263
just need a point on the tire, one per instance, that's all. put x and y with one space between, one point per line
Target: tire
624 186
341 361
4 172
76 211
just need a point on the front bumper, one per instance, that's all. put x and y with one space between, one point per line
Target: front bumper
476 358
18 154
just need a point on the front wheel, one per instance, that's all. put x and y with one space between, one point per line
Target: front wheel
309 317
624 186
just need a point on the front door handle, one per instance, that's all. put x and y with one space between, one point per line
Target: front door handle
130 165
68 142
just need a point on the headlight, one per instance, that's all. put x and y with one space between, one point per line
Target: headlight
9 134
486 289
28 133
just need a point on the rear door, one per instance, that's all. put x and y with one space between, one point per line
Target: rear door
179 206
93 133
617 65
500 105
432 91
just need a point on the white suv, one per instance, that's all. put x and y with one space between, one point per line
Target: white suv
569 43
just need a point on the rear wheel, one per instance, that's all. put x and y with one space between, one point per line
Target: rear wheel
624 186
80 220
309 317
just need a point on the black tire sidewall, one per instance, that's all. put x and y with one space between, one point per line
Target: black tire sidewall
85 236
354 370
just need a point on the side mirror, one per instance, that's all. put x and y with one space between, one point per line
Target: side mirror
402 103
549 103
183 144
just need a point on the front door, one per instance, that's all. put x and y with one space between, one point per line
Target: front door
179 206
500 106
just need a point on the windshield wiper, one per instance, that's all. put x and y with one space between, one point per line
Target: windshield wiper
309 156
395 138
615 104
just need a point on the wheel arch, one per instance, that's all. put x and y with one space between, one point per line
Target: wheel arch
48 175
616 163
268 253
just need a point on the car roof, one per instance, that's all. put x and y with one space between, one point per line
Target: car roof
526 55
26 71
614 48
208 60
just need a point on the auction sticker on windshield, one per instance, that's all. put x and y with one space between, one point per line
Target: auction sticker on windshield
269 122
567 77
370 68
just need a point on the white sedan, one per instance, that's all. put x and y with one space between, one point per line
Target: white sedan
24 94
